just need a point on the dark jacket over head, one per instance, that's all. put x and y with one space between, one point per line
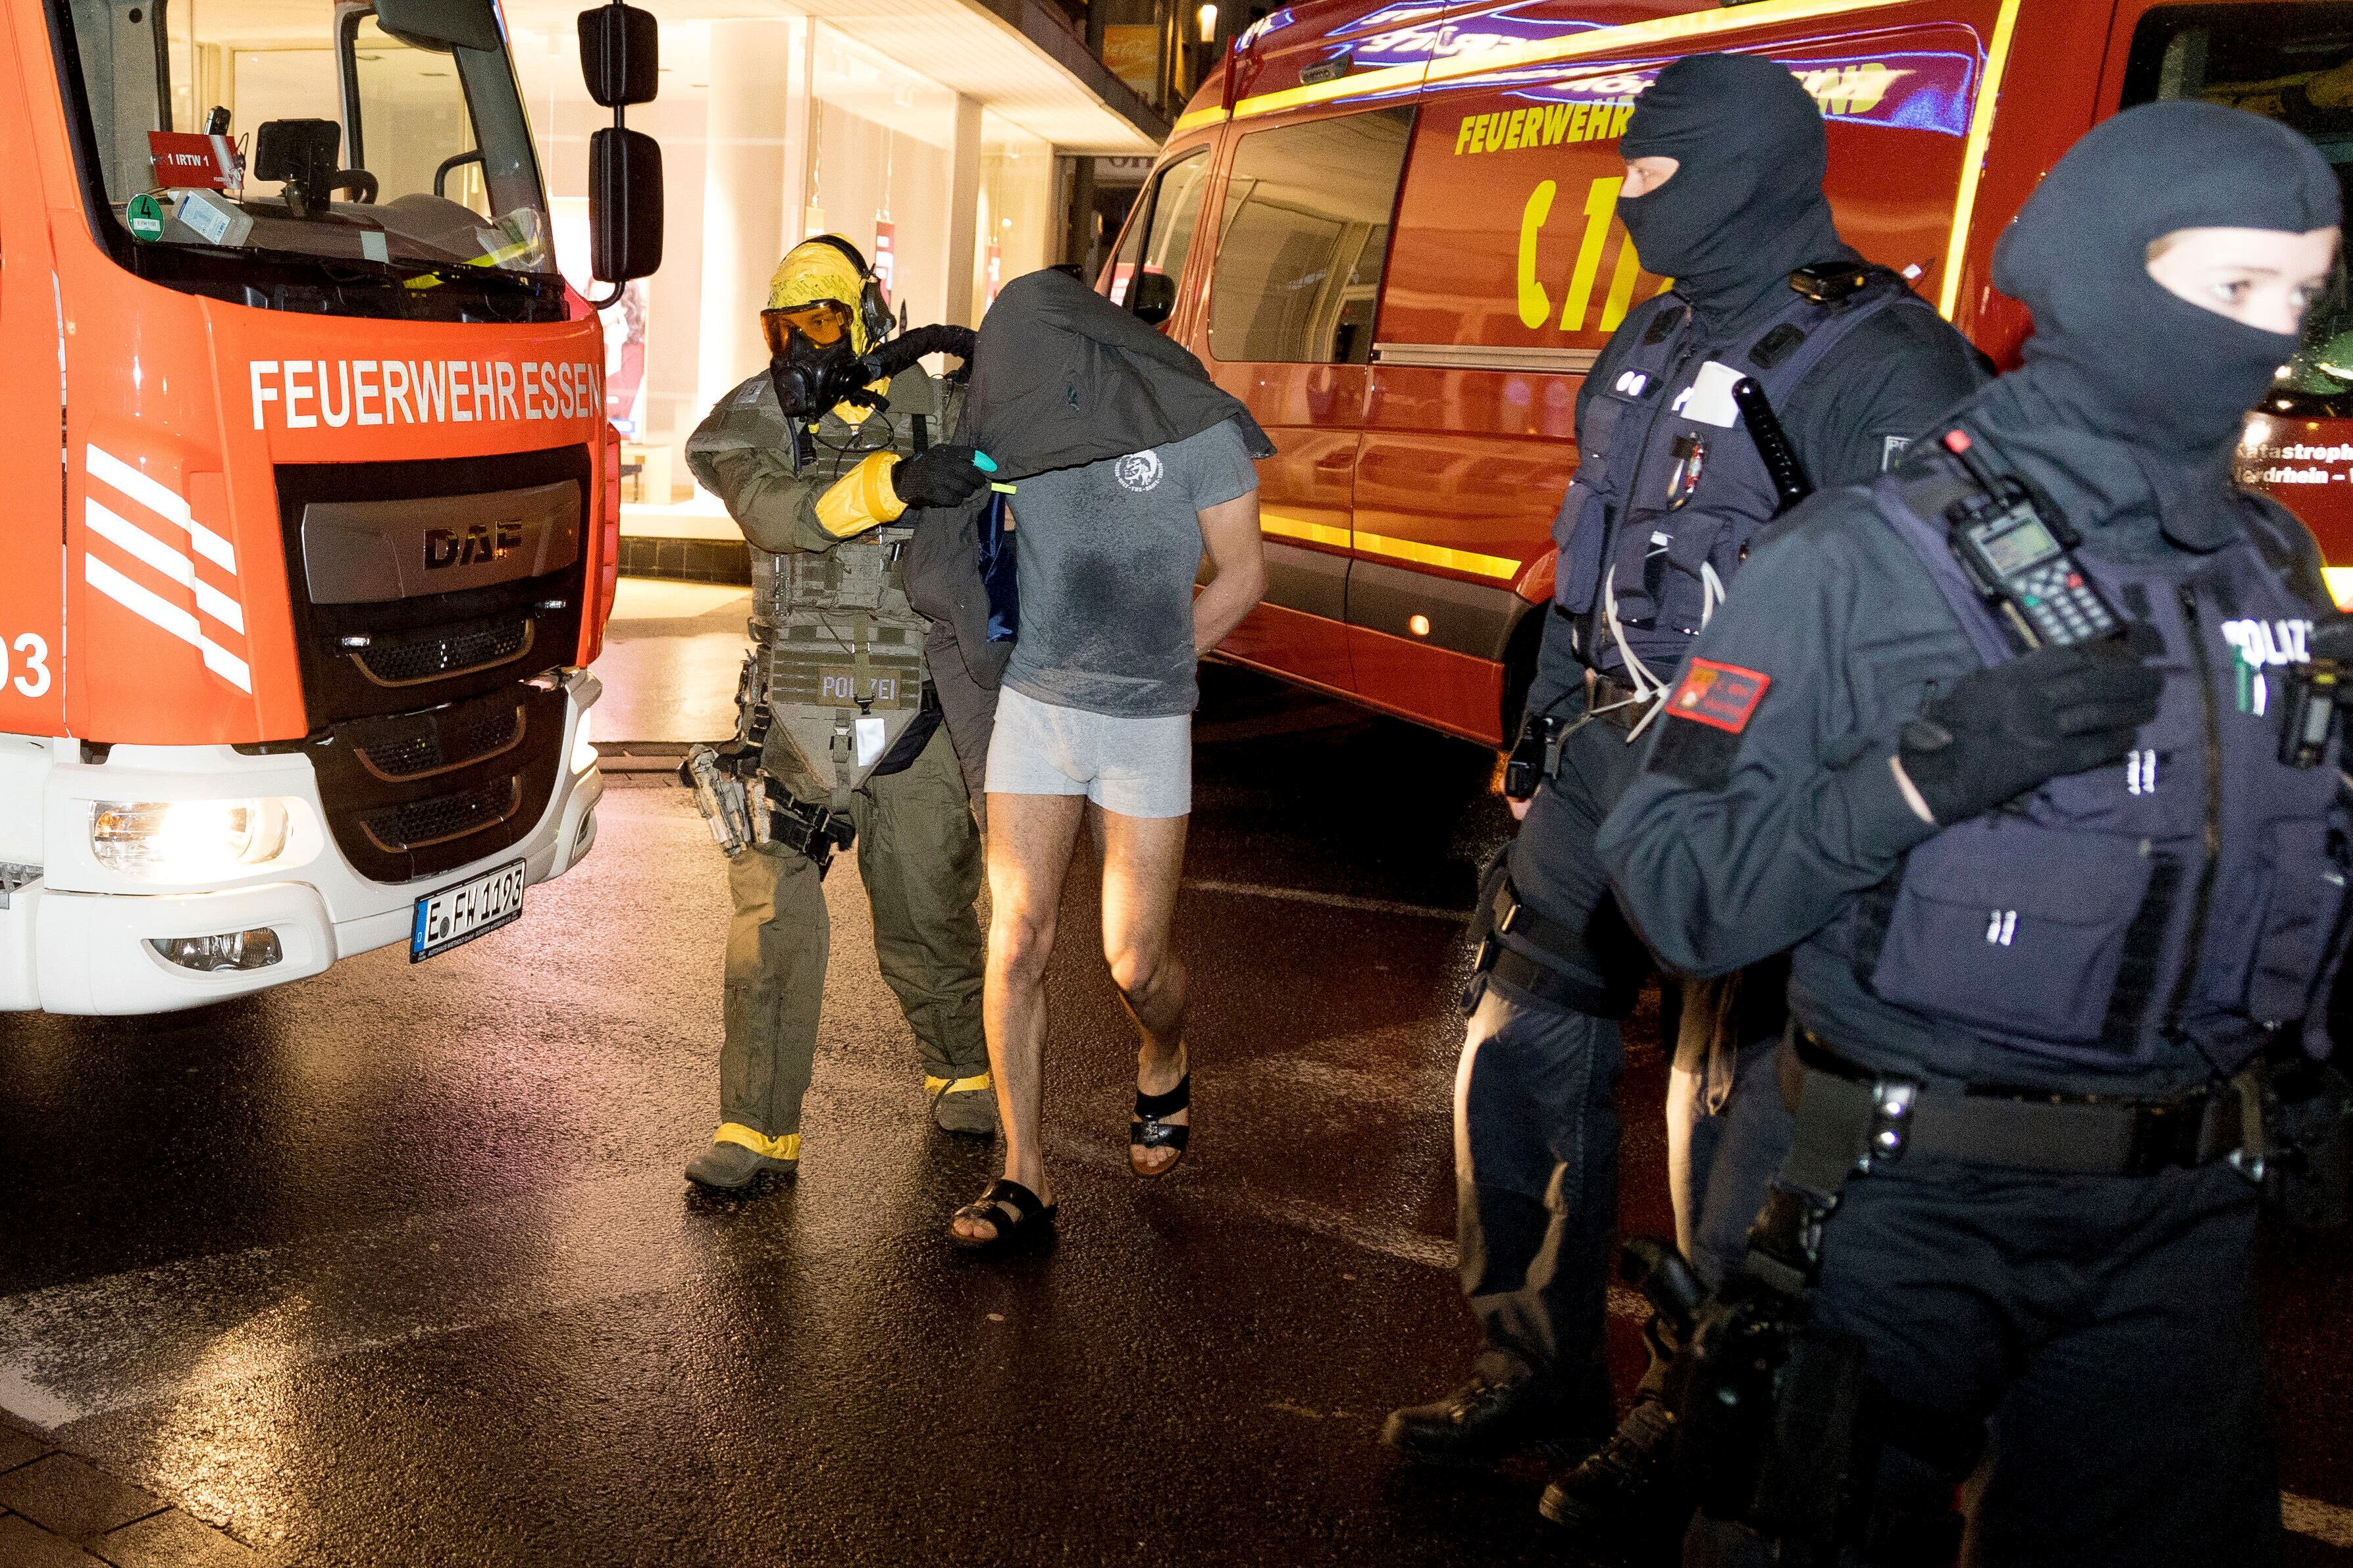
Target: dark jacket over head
1063 377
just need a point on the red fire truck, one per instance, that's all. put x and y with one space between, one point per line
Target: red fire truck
317 501
1389 226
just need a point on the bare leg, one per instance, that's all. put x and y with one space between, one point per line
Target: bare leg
1029 841
1144 857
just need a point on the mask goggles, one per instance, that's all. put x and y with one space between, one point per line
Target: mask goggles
820 325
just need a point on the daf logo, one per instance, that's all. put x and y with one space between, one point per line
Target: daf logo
482 541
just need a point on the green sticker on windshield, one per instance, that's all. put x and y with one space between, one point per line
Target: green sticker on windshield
145 217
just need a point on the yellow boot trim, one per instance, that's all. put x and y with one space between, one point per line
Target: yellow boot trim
861 498
788 1147
933 1086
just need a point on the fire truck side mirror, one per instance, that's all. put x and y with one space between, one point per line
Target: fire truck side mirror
624 205
621 55
428 24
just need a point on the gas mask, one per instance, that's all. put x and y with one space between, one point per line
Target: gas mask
811 362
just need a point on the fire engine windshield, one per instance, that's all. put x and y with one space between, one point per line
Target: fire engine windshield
264 132
2293 63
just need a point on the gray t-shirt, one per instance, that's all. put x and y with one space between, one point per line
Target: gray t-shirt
1104 557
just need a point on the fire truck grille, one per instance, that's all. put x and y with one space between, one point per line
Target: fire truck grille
459 650
445 819
413 661
422 745
420 795
437 719
368 656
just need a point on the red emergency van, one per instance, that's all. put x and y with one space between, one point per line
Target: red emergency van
315 500
1389 227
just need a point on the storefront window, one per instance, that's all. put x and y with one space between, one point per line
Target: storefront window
879 163
1017 231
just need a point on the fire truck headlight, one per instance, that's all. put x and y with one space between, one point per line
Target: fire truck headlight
186 840
256 949
583 750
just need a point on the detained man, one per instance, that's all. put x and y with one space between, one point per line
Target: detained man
1130 469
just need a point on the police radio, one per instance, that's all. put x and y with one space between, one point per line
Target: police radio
2317 692
2019 559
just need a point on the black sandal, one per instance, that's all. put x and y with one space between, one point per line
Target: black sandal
1152 1132
1012 1208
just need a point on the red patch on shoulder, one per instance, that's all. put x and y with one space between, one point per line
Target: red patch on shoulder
1720 695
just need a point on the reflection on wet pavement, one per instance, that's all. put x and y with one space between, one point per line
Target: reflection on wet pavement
670 659
394 1267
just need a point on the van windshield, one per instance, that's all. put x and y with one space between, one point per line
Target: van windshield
2294 64
278 129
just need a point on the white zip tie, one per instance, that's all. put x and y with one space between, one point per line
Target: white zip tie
1648 687
1710 593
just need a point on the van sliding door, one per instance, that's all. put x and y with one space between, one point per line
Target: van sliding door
1302 239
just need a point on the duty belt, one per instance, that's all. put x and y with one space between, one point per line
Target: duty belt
1877 1118
1850 1121
1611 700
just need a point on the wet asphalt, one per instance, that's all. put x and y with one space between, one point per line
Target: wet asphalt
395 1266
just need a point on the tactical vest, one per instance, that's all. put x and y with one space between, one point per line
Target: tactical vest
1669 489
839 655
2191 892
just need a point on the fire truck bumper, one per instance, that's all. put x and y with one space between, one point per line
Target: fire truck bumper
112 950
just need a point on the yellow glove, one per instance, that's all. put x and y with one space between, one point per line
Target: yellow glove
861 498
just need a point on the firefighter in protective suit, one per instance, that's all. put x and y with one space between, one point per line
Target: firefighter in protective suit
840 738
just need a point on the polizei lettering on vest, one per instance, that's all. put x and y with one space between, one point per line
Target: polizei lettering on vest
304 394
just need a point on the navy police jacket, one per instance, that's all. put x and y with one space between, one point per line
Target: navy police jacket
1670 491
2140 929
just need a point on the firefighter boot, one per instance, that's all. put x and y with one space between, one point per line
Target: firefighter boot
1627 1492
965 1105
732 1166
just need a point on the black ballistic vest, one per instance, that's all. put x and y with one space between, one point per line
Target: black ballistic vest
1670 489
2191 892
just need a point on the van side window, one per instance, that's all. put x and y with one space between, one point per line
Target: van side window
1154 245
1305 238
2293 63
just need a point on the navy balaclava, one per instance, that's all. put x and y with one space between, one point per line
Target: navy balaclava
2117 351
1745 208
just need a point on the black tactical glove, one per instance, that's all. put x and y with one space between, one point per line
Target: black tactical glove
2001 730
944 476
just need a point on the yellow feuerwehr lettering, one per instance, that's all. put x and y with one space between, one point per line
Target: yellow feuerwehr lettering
1622 285
1600 206
1463 134
1535 305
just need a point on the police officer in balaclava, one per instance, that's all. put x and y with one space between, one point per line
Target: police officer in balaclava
1726 156
2061 896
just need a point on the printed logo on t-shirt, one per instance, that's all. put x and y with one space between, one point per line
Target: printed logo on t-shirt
1139 472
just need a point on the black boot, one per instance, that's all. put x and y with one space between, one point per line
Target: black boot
1628 1492
1491 1417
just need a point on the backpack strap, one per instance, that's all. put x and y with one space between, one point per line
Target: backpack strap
1780 365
